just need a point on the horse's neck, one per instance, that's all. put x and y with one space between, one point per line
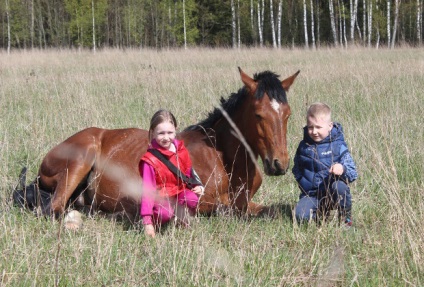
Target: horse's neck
233 149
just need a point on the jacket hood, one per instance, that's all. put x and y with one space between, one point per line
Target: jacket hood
335 134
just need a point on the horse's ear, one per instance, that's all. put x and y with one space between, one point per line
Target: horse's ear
289 81
248 81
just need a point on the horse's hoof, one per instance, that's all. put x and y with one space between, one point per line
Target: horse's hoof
73 220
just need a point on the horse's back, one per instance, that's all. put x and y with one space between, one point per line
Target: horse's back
95 143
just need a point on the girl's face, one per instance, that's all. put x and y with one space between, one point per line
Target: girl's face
319 128
164 134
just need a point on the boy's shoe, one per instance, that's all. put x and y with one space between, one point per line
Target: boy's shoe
348 223
346 216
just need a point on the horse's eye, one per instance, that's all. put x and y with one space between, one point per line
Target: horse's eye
258 117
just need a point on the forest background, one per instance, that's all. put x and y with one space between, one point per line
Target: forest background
215 23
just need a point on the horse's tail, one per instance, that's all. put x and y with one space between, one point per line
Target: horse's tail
30 196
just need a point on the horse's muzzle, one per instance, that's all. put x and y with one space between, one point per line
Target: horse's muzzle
275 168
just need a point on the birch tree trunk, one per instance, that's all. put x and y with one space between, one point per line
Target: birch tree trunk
312 25
170 24
344 24
252 19
94 26
333 22
377 43
251 15
175 20
364 20
353 20
395 24
359 30
280 13
42 33
260 25
233 23
419 23
8 26
32 24
318 19
340 24
238 24
184 24
274 41
262 20
388 23
305 24
369 22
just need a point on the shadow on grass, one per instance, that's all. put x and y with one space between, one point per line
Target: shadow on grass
279 209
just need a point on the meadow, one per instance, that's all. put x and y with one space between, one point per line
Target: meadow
378 96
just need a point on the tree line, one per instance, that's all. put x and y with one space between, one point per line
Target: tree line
158 24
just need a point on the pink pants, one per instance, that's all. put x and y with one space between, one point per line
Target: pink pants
166 208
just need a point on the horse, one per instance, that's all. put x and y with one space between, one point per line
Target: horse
98 168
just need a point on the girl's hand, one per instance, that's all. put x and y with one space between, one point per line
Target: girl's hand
149 230
336 169
198 190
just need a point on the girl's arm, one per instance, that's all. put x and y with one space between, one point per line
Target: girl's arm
198 189
148 193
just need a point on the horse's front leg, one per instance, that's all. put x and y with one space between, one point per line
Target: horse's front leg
244 195
211 202
242 202
255 208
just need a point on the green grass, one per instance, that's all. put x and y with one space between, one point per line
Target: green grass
376 94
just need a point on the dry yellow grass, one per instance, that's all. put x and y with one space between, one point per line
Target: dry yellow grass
45 96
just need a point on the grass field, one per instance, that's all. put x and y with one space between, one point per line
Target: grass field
378 96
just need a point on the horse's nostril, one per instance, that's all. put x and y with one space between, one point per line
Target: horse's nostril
277 164
279 168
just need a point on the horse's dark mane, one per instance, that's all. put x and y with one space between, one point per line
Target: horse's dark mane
268 82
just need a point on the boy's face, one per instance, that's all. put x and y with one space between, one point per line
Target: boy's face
319 127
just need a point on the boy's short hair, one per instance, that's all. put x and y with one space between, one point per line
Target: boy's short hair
318 109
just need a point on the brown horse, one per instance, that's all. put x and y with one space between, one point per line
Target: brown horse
98 168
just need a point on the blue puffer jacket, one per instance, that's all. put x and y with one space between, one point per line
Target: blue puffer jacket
313 160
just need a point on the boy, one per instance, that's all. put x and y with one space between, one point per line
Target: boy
323 167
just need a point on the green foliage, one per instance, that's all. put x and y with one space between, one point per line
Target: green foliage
134 25
215 23
191 20
19 18
81 23
159 23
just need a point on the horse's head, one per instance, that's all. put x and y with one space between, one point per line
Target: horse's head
268 103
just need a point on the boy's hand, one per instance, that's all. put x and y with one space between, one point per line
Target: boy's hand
198 189
336 169
149 230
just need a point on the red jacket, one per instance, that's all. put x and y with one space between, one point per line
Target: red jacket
167 183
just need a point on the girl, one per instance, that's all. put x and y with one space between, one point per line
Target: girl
164 193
